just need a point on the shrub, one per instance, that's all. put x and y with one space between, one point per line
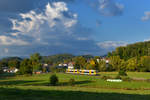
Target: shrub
106 77
1 71
148 80
53 80
118 77
126 78
122 73
72 82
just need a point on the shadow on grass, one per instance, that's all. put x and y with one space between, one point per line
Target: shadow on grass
75 83
38 83
6 75
19 94
18 82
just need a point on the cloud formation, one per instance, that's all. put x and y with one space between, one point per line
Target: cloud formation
146 17
111 44
6 40
107 7
24 5
54 30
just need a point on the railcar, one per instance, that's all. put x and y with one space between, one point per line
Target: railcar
82 71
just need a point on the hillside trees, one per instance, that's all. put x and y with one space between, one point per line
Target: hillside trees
102 67
116 63
80 62
133 50
36 62
14 64
144 64
132 64
26 67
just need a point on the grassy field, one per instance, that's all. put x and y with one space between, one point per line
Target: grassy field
37 87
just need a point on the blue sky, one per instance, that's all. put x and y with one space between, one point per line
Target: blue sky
71 26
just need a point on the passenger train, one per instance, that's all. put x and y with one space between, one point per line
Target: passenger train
82 72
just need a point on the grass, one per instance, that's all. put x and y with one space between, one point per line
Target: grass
37 87
144 75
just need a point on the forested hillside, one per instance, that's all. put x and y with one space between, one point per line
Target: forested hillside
132 50
133 57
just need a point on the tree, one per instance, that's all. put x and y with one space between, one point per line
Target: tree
36 64
80 62
3 63
144 64
102 66
26 67
14 64
132 64
53 80
116 62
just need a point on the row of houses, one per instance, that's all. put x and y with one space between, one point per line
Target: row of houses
70 65
8 70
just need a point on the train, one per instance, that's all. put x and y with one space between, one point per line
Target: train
82 71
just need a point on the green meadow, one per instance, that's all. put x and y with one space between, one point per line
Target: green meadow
37 87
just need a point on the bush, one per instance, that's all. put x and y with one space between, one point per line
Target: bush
53 80
72 82
118 77
122 73
1 71
126 78
148 80
106 77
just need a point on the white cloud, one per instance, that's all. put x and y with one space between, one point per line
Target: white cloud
146 17
52 30
44 24
111 44
6 40
52 16
145 40
82 38
107 7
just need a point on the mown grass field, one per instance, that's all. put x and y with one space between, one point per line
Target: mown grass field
37 87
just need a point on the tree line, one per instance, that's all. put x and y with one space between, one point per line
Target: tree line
133 57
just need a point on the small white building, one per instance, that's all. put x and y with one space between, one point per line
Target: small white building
71 65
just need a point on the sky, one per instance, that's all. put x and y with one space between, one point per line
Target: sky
78 27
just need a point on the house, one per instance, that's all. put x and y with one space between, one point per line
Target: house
61 65
106 60
8 70
71 65
46 67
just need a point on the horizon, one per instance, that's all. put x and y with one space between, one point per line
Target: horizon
75 27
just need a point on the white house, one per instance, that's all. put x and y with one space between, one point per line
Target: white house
71 65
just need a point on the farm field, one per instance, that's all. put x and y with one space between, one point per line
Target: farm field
37 87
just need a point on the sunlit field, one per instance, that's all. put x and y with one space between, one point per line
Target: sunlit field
37 87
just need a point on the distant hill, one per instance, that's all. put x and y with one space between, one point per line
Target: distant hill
133 50
58 57
61 57
11 58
